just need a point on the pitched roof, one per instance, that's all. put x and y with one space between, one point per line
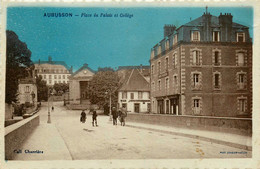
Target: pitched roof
52 63
133 67
85 66
135 82
214 22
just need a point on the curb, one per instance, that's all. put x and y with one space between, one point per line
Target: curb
213 140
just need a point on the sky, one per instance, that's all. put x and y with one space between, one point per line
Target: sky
104 41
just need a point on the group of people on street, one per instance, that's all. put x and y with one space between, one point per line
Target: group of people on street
121 114
83 117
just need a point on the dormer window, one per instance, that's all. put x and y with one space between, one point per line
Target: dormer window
195 36
240 37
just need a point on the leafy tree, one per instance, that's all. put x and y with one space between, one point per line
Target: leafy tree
18 60
61 87
104 82
42 89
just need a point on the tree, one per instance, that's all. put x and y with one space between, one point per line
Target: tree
18 60
104 82
61 87
42 89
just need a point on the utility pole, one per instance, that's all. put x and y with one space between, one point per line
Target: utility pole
49 115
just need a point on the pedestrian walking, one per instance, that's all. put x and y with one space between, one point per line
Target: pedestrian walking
83 116
115 115
123 116
94 118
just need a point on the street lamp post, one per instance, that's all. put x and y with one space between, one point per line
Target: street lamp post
110 109
49 114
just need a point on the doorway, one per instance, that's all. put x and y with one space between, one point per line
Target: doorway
137 107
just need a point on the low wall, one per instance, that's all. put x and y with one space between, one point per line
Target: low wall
16 134
241 126
9 109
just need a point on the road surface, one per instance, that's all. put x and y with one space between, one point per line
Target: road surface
67 138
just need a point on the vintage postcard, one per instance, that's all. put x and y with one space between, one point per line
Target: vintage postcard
130 84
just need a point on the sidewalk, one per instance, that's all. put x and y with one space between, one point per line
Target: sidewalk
46 138
233 140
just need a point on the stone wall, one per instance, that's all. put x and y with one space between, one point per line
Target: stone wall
16 134
9 109
242 126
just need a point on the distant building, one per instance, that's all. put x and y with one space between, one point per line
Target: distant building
79 85
134 94
204 68
27 91
53 71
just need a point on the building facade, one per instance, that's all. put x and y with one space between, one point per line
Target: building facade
27 91
53 71
203 68
134 94
79 85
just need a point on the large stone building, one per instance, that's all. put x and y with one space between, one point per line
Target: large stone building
79 85
53 71
134 94
204 68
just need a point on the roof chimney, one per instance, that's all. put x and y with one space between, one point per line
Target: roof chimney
39 61
141 68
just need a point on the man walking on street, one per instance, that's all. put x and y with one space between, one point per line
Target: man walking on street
83 117
123 116
94 118
115 115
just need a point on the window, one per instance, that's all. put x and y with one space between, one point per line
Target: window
242 105
216 81
240 37
27 89
49 76
50 82
68 76
124 95
174 60
216 36
55 77
196 105
216 58
153 86
63 76
159 85
152 71
132 95
195 80
196 57
166 83
167 63
159 67
241 81
44 76
140 95
241 59
195 36
59 76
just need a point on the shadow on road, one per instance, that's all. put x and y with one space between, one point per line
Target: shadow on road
88 130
